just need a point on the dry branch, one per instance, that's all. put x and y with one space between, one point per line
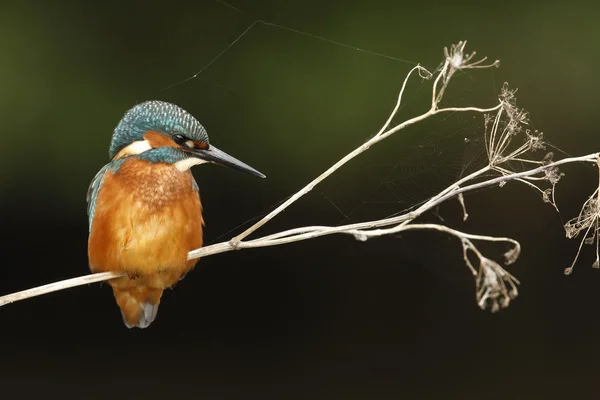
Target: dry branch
506 139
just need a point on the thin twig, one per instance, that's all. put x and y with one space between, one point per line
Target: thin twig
56 286
491 279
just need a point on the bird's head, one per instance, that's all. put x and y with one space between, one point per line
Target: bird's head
163 132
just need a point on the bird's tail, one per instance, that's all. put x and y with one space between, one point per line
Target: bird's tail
139 305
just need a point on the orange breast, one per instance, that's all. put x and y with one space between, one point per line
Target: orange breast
147 218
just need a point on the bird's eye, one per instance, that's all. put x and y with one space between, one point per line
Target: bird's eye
179 139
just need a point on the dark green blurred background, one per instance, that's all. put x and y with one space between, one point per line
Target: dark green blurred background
330 318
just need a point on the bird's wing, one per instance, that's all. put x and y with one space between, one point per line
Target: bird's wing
195 184
93 190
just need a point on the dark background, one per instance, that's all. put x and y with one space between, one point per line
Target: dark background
330 318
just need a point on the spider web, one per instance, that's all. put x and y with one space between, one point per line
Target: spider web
419 164
394 176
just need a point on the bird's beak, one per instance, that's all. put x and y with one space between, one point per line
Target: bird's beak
217 156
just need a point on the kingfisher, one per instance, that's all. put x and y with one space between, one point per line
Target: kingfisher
144 207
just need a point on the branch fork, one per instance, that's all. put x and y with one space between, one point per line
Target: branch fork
507 139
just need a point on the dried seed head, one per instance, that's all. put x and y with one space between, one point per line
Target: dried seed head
495 287
512 255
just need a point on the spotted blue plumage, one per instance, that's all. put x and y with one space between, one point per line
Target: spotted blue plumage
160 116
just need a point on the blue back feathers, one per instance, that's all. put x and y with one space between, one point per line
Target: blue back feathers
94 188
158 116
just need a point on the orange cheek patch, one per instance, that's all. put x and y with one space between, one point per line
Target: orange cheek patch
200 145
156 140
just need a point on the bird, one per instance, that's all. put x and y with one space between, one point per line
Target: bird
144 206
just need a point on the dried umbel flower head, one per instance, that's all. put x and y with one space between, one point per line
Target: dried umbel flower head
458 59
494 286
501 128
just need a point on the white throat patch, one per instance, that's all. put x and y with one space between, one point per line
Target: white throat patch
188 163
134 148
